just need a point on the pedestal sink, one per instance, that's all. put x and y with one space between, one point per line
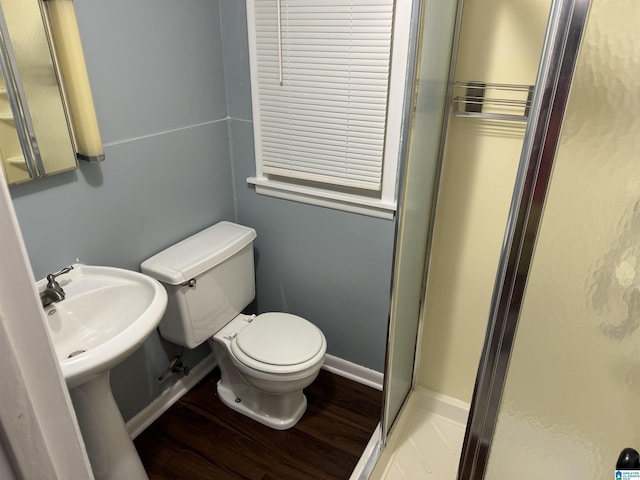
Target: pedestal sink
106 315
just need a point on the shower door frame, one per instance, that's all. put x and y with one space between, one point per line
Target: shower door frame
565 28
389 414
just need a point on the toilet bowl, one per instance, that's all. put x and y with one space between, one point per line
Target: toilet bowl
265 361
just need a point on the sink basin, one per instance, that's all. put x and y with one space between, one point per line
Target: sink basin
106 315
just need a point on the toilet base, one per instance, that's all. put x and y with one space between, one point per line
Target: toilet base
279 412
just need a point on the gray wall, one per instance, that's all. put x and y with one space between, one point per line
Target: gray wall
331 267
174 108
156 74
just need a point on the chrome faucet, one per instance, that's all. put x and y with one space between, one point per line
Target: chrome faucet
53 292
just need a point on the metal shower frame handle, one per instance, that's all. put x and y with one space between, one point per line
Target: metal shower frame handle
565 28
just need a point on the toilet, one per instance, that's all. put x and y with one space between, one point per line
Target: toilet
266 360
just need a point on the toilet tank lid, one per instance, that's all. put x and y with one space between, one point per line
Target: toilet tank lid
198 253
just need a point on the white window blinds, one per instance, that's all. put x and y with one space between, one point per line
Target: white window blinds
322 69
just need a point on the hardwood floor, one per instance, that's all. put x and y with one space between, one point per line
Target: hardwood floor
199 437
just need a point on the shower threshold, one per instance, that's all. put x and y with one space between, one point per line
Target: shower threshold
427 440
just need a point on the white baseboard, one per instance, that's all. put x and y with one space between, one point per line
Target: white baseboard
137 424
338 366
354 372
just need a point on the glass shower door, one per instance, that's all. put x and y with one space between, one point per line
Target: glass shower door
427 112
571 400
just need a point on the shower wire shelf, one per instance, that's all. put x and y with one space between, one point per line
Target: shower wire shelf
475 103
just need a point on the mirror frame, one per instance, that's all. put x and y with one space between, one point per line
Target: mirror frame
47 89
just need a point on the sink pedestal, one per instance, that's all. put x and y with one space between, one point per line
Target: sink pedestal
106 315
111 451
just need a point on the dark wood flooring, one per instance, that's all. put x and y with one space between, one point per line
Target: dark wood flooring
199 437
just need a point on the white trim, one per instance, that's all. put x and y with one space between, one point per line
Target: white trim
149 414
398 83
7 471
324 198
369 456
354 372
40 431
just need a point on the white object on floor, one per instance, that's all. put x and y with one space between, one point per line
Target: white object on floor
265 361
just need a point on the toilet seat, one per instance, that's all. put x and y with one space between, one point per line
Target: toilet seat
279 343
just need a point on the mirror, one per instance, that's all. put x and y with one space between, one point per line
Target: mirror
40 55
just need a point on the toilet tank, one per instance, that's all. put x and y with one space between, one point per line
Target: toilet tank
209 278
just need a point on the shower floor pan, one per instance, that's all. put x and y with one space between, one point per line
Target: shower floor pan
427 440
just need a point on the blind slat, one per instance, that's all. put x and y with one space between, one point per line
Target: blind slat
318 177
362 118
304 154
326 136
326 164
362 152
285 121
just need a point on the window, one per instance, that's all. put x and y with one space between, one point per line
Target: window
328 100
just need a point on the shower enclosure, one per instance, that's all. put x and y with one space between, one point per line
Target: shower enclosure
558 381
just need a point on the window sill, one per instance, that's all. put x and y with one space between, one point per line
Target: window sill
323 198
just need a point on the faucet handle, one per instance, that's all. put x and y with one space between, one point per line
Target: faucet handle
51 278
